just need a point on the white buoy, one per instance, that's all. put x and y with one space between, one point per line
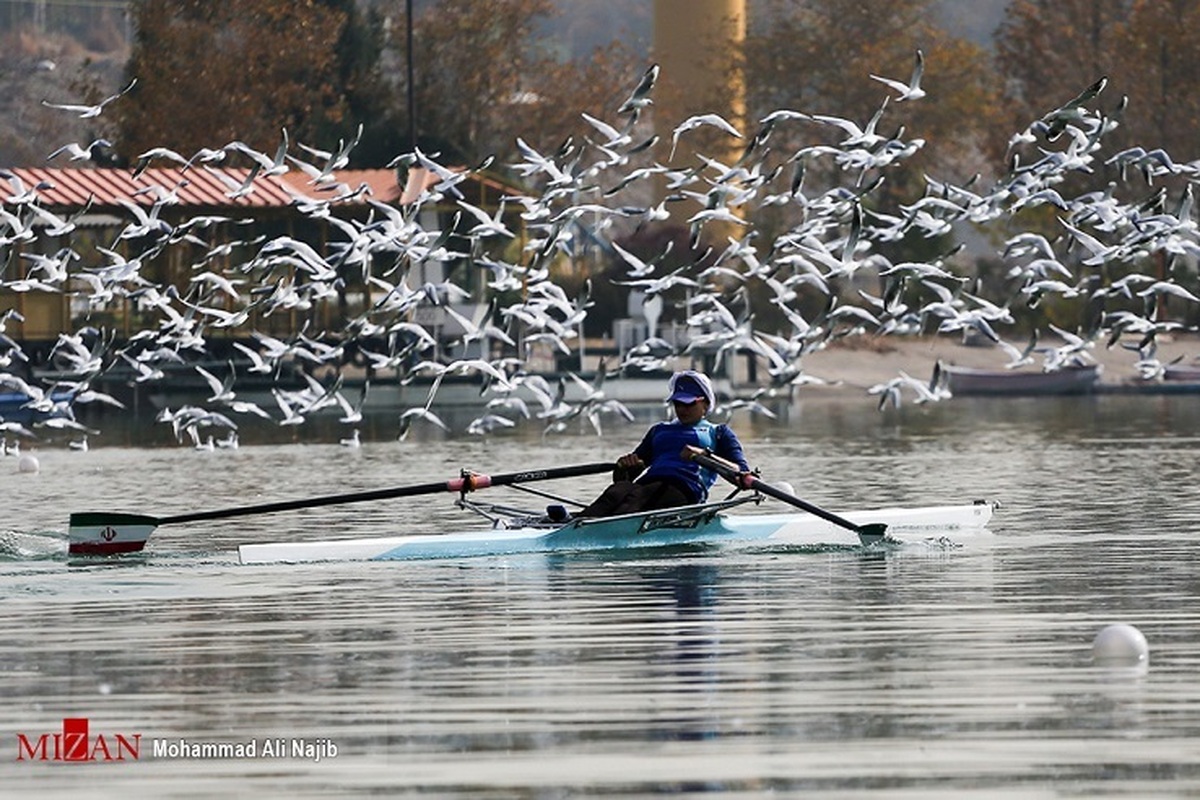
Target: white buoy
29 464
1120 645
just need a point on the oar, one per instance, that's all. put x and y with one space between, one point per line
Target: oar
110 533
867 534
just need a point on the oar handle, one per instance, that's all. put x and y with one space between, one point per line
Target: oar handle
732 473
467 482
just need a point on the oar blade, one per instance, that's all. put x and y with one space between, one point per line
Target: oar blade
871 533
102 533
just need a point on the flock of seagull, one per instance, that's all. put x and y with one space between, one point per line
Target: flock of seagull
819 172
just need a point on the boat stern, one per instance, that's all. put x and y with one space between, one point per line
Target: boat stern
108 534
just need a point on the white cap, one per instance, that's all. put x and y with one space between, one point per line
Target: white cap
689 386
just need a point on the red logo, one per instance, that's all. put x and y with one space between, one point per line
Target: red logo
109 533
76 744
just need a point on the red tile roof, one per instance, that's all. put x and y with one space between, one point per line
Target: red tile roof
213 186
199 186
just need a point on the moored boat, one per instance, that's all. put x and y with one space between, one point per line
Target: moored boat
19 407
964 381
1182 373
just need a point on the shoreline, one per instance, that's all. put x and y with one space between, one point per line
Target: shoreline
853 366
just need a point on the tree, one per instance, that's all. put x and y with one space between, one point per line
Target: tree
1050 50
368 99
1047 51
818 57
210 73
483 77
55 68
1149 50
1157 64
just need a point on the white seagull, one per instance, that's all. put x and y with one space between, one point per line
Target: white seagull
911 90
691 123
80 153
89 111
640 98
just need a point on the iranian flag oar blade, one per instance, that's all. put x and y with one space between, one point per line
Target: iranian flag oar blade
106 533
867 534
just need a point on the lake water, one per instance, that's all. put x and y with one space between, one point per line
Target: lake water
917 672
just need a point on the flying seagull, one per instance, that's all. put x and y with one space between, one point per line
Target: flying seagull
79 153
715 120
641 94
86 111
1057 120
911 90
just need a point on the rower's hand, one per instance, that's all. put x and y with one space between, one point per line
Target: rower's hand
628 467
690 451
630 461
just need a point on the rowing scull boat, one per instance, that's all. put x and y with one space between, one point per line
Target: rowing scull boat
703 525
514 531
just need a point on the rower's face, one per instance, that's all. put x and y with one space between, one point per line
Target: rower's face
690 413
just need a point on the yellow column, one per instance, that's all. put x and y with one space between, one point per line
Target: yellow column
697 45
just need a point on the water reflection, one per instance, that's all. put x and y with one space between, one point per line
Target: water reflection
916 670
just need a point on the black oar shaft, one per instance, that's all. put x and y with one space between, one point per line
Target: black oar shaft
467 482
731 472
311 502
799 502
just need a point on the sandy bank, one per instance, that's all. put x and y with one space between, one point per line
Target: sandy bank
855 365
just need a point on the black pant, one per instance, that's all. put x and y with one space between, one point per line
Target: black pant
627 497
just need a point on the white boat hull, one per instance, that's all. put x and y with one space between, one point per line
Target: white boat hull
691 526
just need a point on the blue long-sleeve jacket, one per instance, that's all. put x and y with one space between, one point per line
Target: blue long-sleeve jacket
660 449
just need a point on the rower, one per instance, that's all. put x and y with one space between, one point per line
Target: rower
660 472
